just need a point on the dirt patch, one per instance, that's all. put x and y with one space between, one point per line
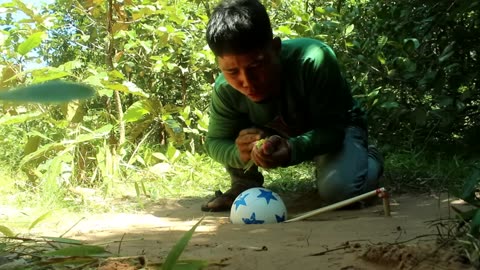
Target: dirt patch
346 239
128 263
404 257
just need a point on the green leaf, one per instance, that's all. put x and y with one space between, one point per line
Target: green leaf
172 153
115 74
349 29
444 57
62 240
381 58
447 52
116 86
81 251
136 111
285 30
126 87
55 147
20 5
390 105
135 90
320 10
31 43
95 80
49 92
6 231
160 156
411 43
147 46
177 250
382 40
41 153
374 93
137 189
71 65
48 74
39 219
21 118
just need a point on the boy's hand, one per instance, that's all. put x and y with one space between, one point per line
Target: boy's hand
246 141
273 153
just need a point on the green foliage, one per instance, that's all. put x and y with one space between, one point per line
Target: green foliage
40 219
31 43
470 219
65 253
6 231
171 262
77 251
471 195
412 65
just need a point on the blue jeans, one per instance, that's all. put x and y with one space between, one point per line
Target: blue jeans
352 170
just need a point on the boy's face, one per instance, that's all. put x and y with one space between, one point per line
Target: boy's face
254 74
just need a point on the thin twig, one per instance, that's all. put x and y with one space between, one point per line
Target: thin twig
329 250
414 238
116 241
61 236
308 238
120 244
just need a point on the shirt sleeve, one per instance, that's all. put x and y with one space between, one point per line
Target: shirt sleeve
224 125
328 100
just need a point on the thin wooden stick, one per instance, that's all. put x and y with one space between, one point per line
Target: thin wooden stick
386 203
381 192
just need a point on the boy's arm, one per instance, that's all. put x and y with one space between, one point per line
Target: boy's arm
329 102
224 125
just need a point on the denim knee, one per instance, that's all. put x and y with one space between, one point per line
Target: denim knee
335 189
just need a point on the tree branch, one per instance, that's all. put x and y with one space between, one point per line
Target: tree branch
109 61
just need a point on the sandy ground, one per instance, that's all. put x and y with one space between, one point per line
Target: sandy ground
344 239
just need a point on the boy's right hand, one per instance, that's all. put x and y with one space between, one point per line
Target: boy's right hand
246 141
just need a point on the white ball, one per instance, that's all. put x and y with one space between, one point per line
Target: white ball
258 206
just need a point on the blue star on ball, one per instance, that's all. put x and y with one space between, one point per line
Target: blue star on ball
280 218
252 220
241 201
268 195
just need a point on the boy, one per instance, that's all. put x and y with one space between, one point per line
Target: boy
293 94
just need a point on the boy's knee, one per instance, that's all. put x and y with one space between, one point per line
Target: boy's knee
334 189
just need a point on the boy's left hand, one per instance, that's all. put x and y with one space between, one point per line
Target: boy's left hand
273 153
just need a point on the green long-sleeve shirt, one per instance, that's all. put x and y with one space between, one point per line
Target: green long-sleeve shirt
313 110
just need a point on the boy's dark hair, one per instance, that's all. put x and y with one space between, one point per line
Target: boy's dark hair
238 26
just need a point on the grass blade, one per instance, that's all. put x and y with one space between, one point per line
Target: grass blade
62 240
63 261
6 231
177 250
76 223
39 219
248 166
78 251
